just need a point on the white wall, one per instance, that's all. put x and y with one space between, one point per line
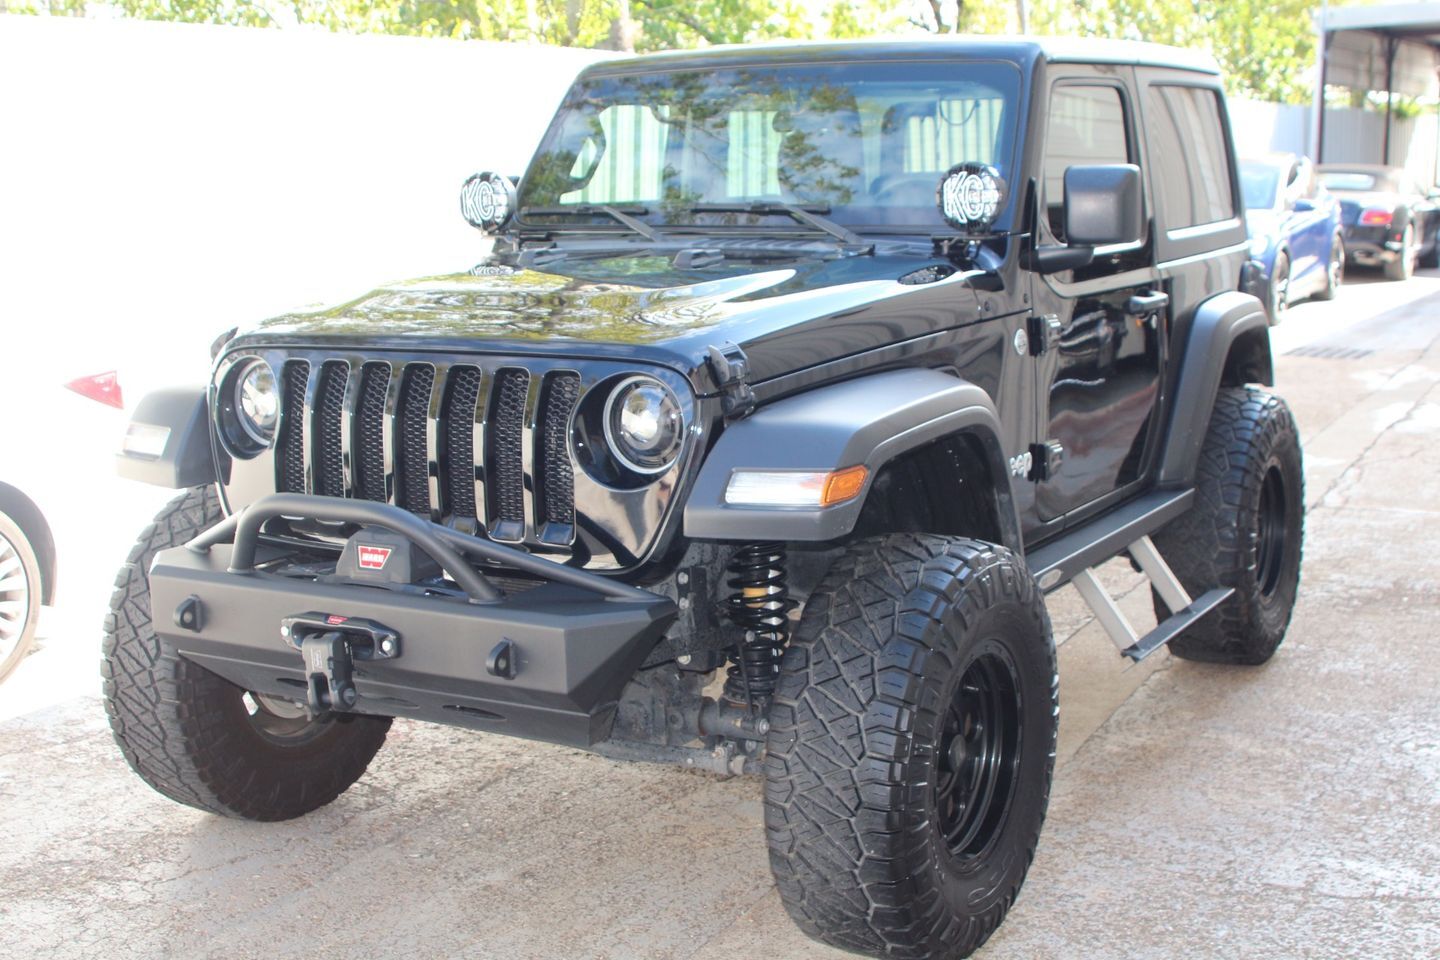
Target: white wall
1353 136
161 182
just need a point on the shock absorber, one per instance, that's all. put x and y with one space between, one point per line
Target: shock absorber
760 606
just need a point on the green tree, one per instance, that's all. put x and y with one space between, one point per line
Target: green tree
1266 47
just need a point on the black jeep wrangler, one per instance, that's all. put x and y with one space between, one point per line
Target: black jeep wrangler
794 381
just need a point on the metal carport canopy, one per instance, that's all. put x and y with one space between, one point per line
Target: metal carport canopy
1393 48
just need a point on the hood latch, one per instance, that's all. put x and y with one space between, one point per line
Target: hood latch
731 370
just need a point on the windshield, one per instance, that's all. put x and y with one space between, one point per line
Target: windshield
1258 183
1358 181
863 143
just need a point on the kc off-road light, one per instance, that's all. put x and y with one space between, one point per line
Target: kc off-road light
794 488
643 425
255 403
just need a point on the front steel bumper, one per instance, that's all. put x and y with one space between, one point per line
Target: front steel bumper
565 648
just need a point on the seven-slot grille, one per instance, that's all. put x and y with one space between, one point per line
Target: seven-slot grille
447 442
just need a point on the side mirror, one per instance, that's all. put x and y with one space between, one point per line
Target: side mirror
1304 205
1103 205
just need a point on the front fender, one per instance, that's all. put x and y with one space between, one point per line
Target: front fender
187 459
1229 342
867 421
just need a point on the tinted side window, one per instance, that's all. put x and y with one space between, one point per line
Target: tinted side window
1188 156
1087 126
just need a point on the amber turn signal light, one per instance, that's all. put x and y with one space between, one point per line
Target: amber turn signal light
843 485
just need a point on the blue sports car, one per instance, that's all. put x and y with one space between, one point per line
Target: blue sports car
1295 230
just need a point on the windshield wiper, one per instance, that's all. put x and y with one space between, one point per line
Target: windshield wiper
806 215
592 209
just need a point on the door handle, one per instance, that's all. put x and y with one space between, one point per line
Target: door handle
1145 303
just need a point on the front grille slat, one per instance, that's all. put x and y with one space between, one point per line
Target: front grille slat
369 439
290 443
555 485
485 449
505 456
412 448
461 405
328 455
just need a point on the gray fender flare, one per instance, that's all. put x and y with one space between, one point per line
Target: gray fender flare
1220 323
866 421
188 459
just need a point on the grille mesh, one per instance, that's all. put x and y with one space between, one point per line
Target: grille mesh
422 455
464 383
506 467
292 428
557 475
329 405
412 484
369 441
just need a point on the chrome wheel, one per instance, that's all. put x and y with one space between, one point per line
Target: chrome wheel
1279 288
19 599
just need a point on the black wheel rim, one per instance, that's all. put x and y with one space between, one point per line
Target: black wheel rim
1270 533
978 756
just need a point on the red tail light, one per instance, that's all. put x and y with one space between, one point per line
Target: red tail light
102 388
1376 218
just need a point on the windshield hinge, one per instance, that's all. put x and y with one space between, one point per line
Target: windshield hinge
731 371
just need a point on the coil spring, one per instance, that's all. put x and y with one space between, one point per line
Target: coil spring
760 606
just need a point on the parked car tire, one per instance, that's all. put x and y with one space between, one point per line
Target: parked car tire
1279 300
20 593
199 739
911 747
1430 259
1403 266
1335 270
1245 530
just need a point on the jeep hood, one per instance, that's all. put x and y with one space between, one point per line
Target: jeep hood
786 317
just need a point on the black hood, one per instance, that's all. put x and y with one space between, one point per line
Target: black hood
785 315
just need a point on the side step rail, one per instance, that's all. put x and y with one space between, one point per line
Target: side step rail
1184 611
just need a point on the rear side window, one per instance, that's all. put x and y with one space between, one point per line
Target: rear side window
1188 148
1087 126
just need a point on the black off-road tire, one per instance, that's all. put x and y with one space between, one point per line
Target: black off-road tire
1238 534
857 751
199 739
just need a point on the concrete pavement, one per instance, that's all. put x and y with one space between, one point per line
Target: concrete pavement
1287 811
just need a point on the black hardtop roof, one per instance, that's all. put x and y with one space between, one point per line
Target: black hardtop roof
1020 50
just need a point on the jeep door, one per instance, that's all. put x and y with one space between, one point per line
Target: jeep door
1100 371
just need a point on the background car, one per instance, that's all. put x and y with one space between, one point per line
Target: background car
1390 220
1295 230
56 495
27 574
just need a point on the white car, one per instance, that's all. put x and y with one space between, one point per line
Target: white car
57 443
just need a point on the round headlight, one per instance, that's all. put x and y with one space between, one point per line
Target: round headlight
257 402
643 425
